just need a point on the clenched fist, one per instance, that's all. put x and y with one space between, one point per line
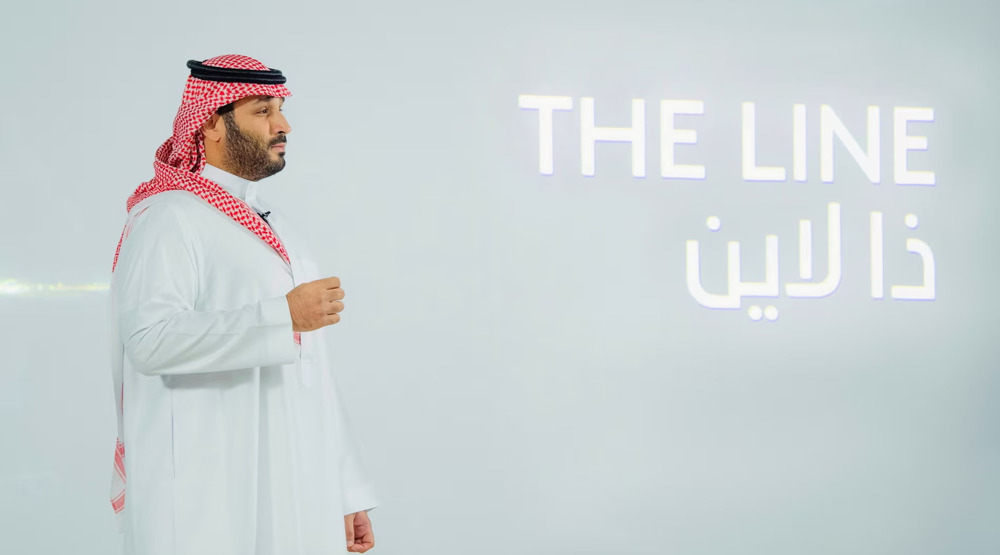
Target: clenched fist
315 304
358 528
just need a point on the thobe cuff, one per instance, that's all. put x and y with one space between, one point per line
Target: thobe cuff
359 498
280 342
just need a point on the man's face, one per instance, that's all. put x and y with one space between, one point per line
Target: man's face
254 145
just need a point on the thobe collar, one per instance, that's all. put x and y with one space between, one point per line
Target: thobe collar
241 188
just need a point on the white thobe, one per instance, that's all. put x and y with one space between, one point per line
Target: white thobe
235 436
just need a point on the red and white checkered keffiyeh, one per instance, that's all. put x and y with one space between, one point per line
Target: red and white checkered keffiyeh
178 165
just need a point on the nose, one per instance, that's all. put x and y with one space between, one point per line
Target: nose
280 125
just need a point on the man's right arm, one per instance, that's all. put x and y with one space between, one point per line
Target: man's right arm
156 284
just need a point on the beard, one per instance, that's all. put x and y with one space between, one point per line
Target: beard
249 156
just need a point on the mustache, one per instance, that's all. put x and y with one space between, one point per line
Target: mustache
279 140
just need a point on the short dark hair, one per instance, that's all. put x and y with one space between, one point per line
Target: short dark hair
226 109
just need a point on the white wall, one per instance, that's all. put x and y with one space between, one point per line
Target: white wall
528 371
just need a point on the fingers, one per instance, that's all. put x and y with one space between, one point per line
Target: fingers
349 529
333 294
358 531
364 539
363 543
316 304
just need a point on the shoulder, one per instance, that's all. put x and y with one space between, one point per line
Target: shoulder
159 231
176 202
177 207
169 212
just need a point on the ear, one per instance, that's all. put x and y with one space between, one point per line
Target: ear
214 128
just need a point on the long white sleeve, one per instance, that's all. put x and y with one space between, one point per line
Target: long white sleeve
156 285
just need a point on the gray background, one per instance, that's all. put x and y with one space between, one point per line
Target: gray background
527 372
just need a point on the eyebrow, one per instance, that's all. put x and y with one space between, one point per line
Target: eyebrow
268 98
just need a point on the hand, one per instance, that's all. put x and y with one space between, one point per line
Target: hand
315 304
359 532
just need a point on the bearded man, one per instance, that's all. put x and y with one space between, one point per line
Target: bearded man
237 439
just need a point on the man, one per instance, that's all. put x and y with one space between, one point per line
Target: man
237 441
